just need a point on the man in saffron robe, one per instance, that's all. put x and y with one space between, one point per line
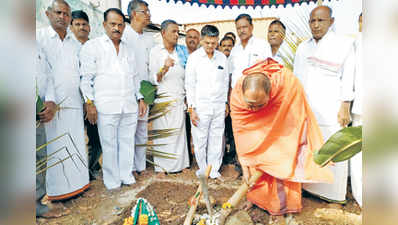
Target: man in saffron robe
276 133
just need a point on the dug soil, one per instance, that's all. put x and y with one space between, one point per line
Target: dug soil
169 196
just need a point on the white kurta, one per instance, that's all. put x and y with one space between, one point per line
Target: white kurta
111 81
326 70
206 84
356 161
241 58
141 44
70 177
172 85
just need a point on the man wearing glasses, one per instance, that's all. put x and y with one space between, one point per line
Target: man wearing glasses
275 133
141 43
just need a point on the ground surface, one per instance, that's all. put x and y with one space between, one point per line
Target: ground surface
169 196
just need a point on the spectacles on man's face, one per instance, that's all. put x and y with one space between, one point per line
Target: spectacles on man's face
253 106
144 11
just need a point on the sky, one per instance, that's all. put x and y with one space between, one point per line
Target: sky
345 12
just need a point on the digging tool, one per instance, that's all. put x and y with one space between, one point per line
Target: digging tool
205 191
237 196
195 200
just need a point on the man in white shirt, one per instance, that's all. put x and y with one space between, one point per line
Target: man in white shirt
110 88
61 49
80 26
249 51
325 65
356 112
207 103
43 87
276 35
226 45
167 69
141 43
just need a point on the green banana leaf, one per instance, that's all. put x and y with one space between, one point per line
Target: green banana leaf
148 91
341 146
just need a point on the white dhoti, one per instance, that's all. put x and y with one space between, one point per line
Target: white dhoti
70 177
175 144
208 138
141 138
356 167
336 191
116 133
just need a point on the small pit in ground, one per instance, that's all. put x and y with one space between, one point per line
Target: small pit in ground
170 200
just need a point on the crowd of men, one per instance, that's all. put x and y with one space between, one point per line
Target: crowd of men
222 91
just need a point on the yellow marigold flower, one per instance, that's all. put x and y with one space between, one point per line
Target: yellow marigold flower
129 221
143 219
226 205
202 222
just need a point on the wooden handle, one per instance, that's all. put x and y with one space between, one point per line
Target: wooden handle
237 196
192 209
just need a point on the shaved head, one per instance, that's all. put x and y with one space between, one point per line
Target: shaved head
256 88
256 82
320 21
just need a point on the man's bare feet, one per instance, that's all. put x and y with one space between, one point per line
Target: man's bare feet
186 170
144 173
335 206
220 179
278 220
135 174
161 175
56 210
55 213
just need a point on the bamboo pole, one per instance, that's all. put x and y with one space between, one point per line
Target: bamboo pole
237 197
195 200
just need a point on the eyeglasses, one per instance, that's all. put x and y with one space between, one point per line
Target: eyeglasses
144 11
252 106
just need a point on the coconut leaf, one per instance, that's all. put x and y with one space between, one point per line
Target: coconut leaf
341 146
148 91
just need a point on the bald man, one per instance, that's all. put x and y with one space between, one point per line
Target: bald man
192 39
276 133
325 65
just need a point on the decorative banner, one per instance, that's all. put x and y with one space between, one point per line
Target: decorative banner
244 3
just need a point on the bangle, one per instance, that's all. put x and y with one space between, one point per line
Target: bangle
161 69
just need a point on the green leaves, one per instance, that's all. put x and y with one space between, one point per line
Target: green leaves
341 146
148 91
39 104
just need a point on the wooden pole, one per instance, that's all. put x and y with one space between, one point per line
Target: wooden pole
237 197
195 200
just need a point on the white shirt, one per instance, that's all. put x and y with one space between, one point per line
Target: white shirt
141 44
206 80
278 57
108 78
358 81
62 58
173 81
326 70
44 82
241 58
